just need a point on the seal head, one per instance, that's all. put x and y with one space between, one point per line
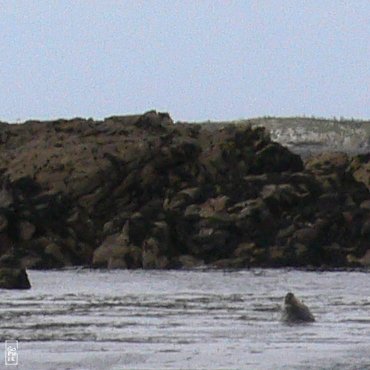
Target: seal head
295 311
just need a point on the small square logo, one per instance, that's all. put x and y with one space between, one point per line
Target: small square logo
11 352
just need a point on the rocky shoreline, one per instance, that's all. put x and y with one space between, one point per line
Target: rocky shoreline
144 192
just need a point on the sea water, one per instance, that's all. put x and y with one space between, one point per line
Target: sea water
204 319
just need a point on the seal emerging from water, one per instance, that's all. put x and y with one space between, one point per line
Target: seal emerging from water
296 311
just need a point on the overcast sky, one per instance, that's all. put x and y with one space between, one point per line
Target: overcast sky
196 59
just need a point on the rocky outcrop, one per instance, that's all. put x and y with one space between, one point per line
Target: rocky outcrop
142 192
14 278
12 275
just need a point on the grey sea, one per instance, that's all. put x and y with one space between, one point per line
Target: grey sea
83 319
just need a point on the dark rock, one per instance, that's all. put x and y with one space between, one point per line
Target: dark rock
275 158
3 222
151 255
230 263
117 252
360 168
26 230
365 204
277 257
307 235
192 212
359 261
13 278
9 260
365 230
328 163
56 253
189 262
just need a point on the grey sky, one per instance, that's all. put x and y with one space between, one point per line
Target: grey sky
196 59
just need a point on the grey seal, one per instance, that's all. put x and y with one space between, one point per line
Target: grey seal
295 311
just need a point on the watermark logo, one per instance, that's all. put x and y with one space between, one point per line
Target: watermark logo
11 352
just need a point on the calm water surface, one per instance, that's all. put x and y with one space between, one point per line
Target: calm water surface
82 319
